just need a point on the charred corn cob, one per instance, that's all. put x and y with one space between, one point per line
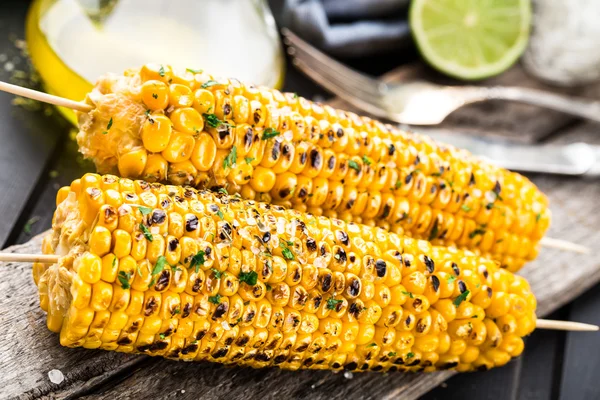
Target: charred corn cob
191 128
192 275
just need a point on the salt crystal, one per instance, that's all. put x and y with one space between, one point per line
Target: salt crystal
56 376
9 66
348 375
182 391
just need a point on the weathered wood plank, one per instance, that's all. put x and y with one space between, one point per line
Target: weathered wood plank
28 138
582 353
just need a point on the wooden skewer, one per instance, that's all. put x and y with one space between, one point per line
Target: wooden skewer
75 105
540 324
44 97
564 245
565 325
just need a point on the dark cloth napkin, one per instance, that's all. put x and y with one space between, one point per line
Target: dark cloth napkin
347 28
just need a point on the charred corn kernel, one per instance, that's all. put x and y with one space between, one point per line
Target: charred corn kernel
214 277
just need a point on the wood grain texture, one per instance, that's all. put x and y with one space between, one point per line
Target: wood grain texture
27 138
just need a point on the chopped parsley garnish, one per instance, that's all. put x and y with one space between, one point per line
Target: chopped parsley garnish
398 184
367 160
269 288
410 355
162 336
29 224
451 279
465 208
176 311
392 354
213 121
249 159
110 124
114 262
152 282
499 240
160 265
332 303
195 71
249 278
144 210
476 232
372 345
295 95
216 273
146 231
216 299
285 250
154 95
220 214
269 133
409 294
538 217
124 278
434 231
231 158
460 298
354 165
436 174
198 260
161 71
223 191
208 84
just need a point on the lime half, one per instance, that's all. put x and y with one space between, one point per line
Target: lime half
471 39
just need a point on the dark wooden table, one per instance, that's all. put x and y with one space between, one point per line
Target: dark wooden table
37 156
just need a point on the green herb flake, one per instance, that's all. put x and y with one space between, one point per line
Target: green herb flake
460 298
216 273
114 262
194 71
220 214
285 250
269 133
538 217
124 278
155 96
409 294
110 124
367 160
410 355
499 240
249 159
451 279
160 265
354 165
152 282
332 303
295 95
398 184
434 231
372 345
476 232
216 299
208 84
250 278
162 336
146 231
269 288
144 210
231 158
29 224
139 270
198 260
392 354
161 71
213 121
223 191
465 208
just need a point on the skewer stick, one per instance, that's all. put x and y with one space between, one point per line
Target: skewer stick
540 324
565 325
44 97
564 245
41 258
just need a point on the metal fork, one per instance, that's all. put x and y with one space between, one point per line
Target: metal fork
418 102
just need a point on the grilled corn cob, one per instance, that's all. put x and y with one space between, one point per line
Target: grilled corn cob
191 128
192 275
